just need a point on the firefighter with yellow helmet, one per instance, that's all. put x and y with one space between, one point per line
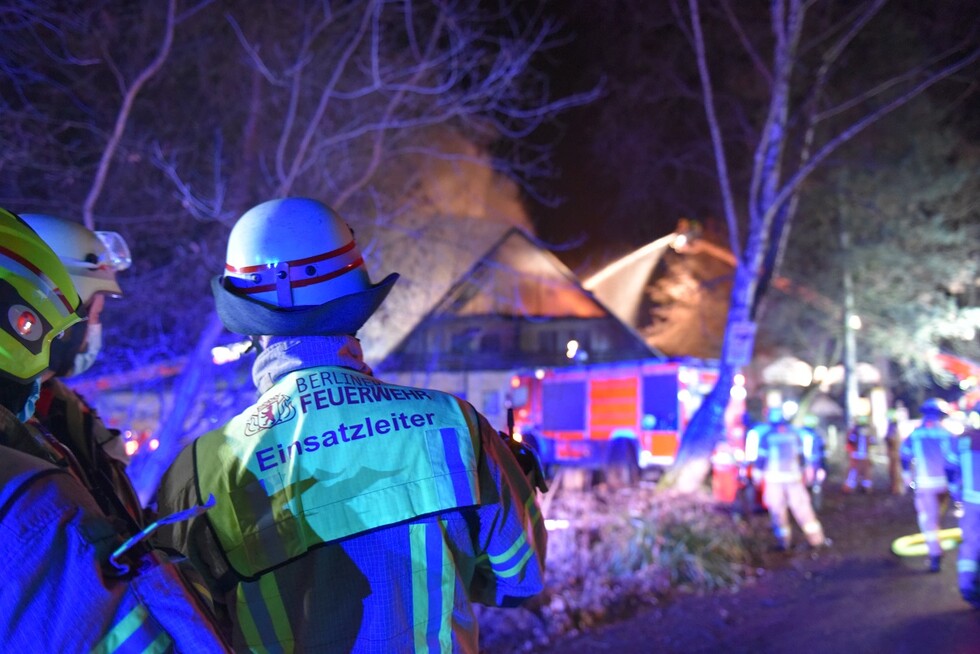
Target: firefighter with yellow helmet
924 455
92 259
70 584
351 514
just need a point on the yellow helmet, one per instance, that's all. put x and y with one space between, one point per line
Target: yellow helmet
37 299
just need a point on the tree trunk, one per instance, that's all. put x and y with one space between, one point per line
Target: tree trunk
147 471
707 426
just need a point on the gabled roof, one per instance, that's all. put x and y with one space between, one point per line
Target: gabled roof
516 277
516 282
622 284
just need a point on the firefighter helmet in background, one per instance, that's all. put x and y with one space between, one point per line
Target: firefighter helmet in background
775 415
293 268
37 299
934 407
973 415
92 258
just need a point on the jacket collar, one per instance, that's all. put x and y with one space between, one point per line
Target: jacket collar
285 354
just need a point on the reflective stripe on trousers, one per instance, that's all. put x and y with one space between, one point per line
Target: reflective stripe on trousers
432 593
134 633
262 616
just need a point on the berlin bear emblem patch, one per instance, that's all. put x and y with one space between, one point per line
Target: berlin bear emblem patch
274 411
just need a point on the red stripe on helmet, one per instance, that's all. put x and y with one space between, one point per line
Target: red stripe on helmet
54 290
296 262
322 278
302 282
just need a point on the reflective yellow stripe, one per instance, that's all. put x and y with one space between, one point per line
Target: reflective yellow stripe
517 567
160 644
532 509
420 587
247 623
277 611
447 590
204 592
433 585
511 551
125 628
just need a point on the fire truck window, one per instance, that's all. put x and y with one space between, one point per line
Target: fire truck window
563 406
518 396
660 399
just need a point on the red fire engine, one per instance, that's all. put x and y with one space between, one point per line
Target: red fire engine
619 418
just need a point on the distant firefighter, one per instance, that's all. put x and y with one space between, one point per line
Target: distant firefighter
781 462
860 439
924 456
965 461
893 441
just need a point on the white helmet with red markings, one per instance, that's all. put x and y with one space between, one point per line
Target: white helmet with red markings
92 257
293 268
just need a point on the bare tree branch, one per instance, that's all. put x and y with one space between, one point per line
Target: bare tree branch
122 117
721 162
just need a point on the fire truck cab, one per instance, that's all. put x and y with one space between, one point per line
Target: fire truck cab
620 418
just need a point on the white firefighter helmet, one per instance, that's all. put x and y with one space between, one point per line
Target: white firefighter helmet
293 268
934 407
92 258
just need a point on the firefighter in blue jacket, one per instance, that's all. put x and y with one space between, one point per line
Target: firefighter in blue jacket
92 259
782 462
924 455
860 440
965 461
351 514
67 586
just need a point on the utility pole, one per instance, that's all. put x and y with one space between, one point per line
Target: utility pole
850 326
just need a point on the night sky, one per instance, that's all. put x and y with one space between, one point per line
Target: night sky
572 222
591 224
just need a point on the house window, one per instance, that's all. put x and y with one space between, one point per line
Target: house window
490 343
491 403
465 341
547 342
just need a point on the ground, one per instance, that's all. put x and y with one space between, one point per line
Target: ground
855 597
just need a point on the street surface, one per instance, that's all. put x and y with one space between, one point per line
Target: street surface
855 598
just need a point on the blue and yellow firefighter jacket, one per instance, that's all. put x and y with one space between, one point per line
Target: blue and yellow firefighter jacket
859 442
355 515
59 591
781 454
964 457
929 446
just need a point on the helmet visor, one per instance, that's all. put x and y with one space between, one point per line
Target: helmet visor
117 250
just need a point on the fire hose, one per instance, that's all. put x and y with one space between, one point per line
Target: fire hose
915 544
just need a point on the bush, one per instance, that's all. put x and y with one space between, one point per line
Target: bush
620 551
